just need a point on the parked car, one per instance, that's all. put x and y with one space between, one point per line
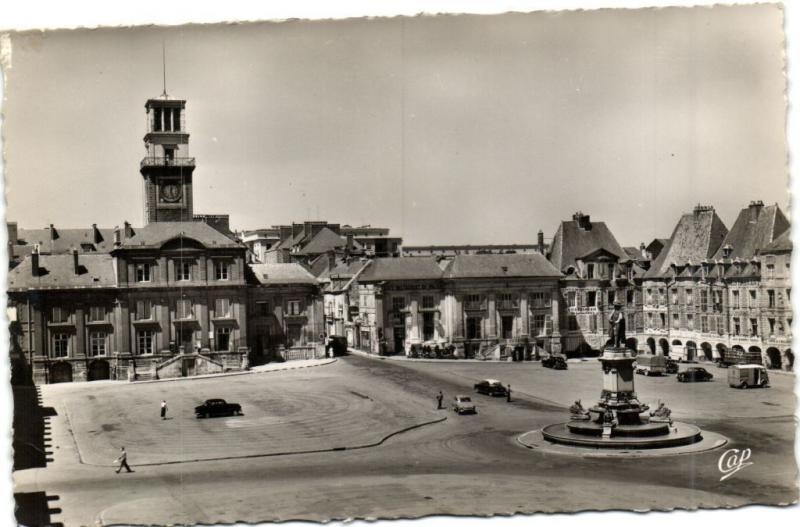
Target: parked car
671 365
694 374
651 365
216 407
462 404
491 387
747 376
554 361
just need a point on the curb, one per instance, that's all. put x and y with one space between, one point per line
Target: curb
233 373
275 454
406 359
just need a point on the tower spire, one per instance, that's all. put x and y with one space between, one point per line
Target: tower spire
164 67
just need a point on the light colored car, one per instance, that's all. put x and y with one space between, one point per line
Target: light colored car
462 404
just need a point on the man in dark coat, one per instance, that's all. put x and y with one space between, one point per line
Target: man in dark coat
616 326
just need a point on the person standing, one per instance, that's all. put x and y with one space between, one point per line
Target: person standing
163 409
508 394
123 460
439 398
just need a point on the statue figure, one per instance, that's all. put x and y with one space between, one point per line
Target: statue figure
617 326
661 414
577 411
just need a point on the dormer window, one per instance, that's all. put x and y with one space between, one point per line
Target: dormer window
183 270
143 272
590 271
222 270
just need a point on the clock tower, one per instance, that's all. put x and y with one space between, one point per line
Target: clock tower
166 167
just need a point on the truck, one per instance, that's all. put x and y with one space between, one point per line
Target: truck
748 376
651 365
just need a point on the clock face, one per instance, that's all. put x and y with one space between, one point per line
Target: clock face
170 192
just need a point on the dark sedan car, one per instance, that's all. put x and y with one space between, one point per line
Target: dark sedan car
491 387
555 362
216 407
672 365
694 374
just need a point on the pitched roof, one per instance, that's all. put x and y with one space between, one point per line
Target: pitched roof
696 237
57 271
781 244
755 227
422 268
281 274
500 265
157 233
65 240
572 242
325 240
633 253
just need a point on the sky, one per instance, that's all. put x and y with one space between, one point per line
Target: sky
447 129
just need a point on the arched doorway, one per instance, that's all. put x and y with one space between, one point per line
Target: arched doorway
651 345
789 356
60 372
774 359
721 351
677 349
754 355
98 370
691 351
631 343
664 345
707 352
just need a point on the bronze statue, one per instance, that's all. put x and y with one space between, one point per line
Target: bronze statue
617 326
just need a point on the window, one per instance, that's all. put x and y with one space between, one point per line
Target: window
662 296
222 308
754 327
788 295
508 327
294 307
737 326
771 297
294 334
735 302
676 321
262 308
97 313
629 297
143 310
156 119
753 298
717 300
97 343
60 315
771 322
144 342
184 309
473 327
183 270
591 298
610 271
223 338
663 319
221 269
427 302
572 323
612 297
674 294
60 345
689 297
703 299
690 321
143 272
427 326
538 324
590 271
539 300
770 270
398 304
650 320
176 119
572 299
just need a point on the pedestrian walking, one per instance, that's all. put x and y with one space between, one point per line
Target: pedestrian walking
163 409
439 399
123 460
508 394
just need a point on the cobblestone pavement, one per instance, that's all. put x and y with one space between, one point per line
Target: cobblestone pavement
464 465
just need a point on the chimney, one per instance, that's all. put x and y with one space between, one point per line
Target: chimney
75 263
53 233
12 232
128 230
284 232
35 260
117 240
582 220
349 246
755 210
331 260
98 237
540 241
297 228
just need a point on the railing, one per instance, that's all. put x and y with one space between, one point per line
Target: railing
167 162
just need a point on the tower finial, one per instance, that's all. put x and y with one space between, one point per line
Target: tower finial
164 67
